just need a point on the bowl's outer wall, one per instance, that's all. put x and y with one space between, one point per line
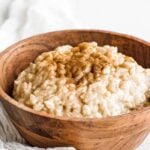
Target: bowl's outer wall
122 133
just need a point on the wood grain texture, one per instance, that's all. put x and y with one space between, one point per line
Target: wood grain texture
124 132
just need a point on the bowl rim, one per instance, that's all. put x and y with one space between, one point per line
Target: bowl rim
5 97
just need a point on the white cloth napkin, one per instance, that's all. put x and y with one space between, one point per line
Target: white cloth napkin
22 18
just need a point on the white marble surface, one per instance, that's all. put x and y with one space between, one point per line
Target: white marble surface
22 18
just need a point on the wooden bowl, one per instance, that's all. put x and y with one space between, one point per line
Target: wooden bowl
124 132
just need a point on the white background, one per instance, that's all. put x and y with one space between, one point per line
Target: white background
22 18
